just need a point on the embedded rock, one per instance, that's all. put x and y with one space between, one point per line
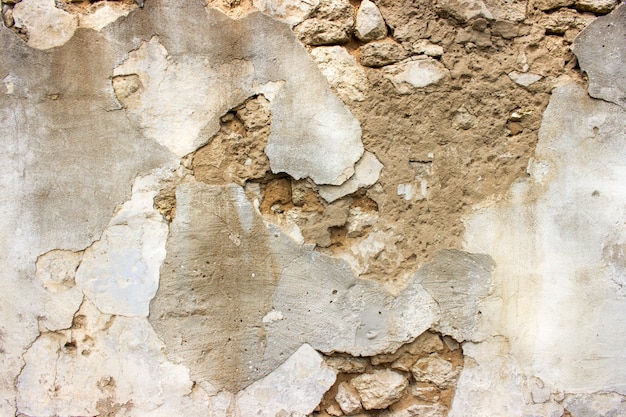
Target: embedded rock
601 51
289 11
331 23
418 73
596 6
342 72
378 54
435 370
370 25
46 25
294 388
464 10
348 399
380 389
524 79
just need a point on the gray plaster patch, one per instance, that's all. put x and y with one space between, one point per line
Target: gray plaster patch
601 52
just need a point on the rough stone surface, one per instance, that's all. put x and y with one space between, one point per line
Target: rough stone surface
378 54
348 399
294 388
330 23
366 173
289 11
596 6
380 389
183 93
601 53
464 10
342 71
435 370
370 24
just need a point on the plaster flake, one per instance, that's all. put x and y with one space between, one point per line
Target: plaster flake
295 387
46 25
108 359
120 272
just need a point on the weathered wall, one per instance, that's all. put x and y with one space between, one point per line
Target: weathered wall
290 208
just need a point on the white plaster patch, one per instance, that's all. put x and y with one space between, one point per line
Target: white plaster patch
366 173
120 272
46 25
177 98
295 387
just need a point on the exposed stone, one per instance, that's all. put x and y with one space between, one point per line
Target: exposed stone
380 389
508 30
601 53
378 54
596 6
322 32
366 173
236 153
551 4
120 272
418 410
342 72
426 48
295 387
46 25
417 73
370 25
348 399
347 364
359 220
435 370
331 23
524 79
464 10
289 11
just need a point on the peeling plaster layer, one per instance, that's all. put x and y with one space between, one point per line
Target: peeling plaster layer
601 53
559 279
120 272
260 296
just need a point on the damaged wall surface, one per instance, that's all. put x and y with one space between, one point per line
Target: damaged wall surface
313 208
